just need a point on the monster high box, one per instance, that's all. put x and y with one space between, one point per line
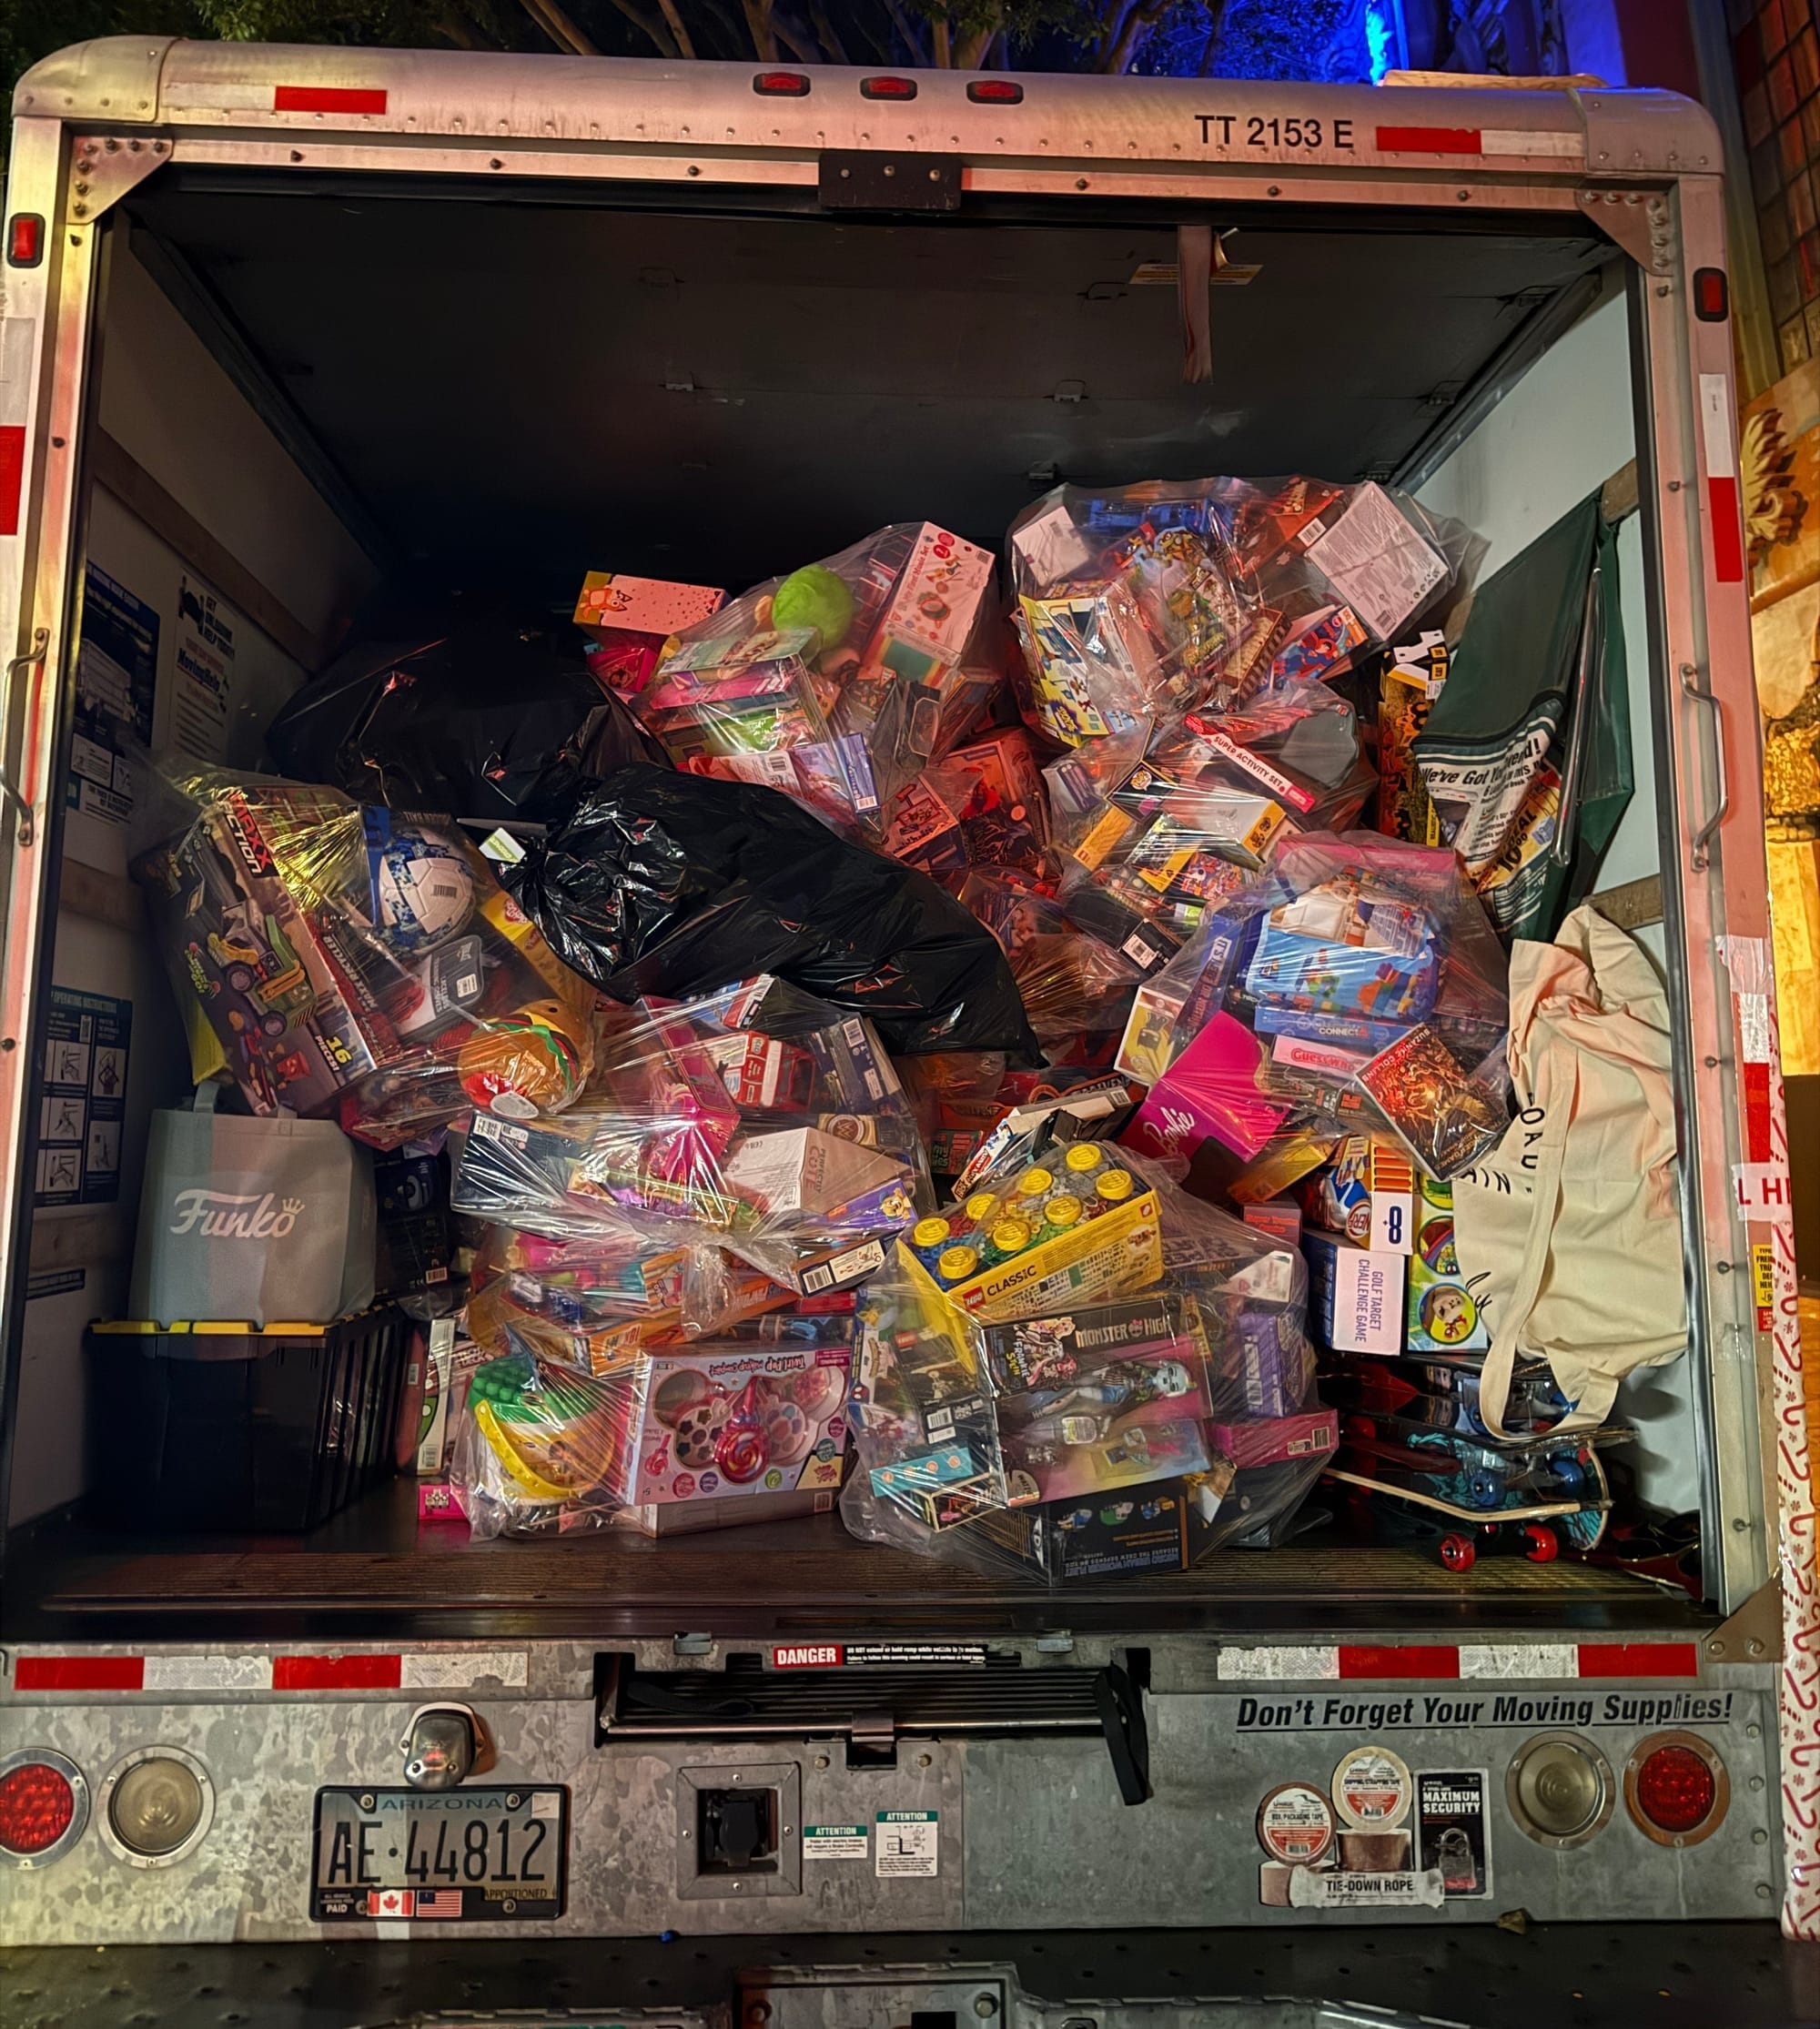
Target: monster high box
1055 1352
719 1420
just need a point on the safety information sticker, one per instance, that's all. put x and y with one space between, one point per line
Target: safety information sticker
84 1107
835 1842
907 1844
116 670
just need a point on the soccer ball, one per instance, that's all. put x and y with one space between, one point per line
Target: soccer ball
424 891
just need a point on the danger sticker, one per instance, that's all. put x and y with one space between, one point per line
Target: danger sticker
1372 1788
1295 1824
814 1655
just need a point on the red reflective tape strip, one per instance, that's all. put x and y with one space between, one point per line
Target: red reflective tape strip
1639 1659
79 1674
12 476
336 1673
1428 140
1728 530
1757 1113
1436 1661
326 98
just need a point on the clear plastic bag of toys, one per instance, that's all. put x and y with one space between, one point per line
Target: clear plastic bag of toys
840 683
591 1303
1160 1406
1337 570
1163 853
355 962
1360 983
545 1450
754 708
1130 605
981 805
1073 983
1157 599
1299 743
757 1119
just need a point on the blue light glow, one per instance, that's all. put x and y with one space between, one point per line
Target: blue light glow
1380 38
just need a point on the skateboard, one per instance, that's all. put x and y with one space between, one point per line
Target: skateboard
1537 1494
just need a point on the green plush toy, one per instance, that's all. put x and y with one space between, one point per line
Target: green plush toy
813 597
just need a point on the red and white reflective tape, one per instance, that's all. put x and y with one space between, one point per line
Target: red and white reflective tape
1753 975
1723 506
434 1669
1479 140
224 95
17 337
1444 1663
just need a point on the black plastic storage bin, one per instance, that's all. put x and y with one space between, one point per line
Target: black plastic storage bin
217 1426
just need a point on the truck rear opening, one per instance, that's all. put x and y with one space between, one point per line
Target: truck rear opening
446 321
502 386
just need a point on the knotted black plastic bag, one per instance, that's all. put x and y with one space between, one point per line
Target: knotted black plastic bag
488 720
672 884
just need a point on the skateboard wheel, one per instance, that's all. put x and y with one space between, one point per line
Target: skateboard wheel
1569 1472
1543 1546
1457 1552
1483 1490
1362 1427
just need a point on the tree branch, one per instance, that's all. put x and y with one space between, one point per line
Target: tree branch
733 31
556 25
759 26
942 41
828 34
971 52
906 29
452 26
685 42
1134 32
796 40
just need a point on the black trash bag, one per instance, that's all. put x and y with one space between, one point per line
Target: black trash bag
487 720
671 884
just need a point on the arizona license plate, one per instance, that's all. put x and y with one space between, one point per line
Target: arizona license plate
452 1856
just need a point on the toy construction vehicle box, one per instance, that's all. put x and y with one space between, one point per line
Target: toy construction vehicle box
1042 1242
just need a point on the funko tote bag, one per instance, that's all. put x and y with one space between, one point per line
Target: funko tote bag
253 1221
1573 1220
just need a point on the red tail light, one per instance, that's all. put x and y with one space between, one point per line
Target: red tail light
781 84
995 91
887 88
43 1805
26 240
1711 296
1676 1788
